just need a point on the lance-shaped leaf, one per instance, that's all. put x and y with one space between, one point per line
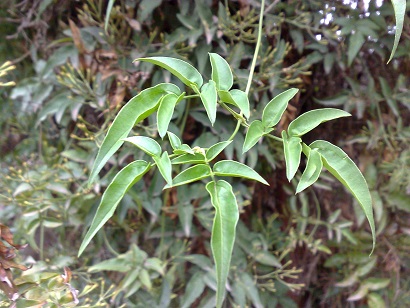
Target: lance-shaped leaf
237 169
221 72
254 133
174 140
146 144
188 158
180 69
191 174
214 150
209 99
136 110
223 232
164 166
237 98
292 147
312 171
273 111
311 119
399 7
356 41
165 112
121 183
344 169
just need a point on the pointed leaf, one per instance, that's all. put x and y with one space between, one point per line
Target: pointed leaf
223 232
254 133
356 42
164 167
216 149
344 169
191 174
196 158
165 112
209 99
292 148
312 171
181 69
237 98
237 169
193 290
137 109
221 72
399 7
273 111
174 140
121 183
146 144
311 119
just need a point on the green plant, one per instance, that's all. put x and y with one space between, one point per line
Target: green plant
218 91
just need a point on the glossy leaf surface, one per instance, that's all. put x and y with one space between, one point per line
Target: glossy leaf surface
237 98
311 119
223 232
273 111
191 174
196 158
236 169
184 71
146 144
216 149
254 133
312 171
221 72
344 169
399 7
292 147
121 183
165 112
164 166
174 140
137 109
209 99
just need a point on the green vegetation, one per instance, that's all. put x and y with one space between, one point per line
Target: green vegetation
185 195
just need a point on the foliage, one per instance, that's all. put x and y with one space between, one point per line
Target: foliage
74 71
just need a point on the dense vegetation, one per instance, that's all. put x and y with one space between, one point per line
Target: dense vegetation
72 65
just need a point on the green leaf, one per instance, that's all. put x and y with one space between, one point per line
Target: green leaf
399 7
312 171
193 290
108 14
375 300
164 167
137 109
179 68
292 148
273 111
251 290
174 140
237 98
356 41
311 119
165 112
214 150
344 169
254 133
223 232
146 144
196 158
221 72
209 99
121 183
236 169
191 174
337 100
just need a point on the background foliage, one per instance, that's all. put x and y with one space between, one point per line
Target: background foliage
73 74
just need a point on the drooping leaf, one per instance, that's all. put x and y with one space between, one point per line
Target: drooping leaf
209 99
146 144
181 69
164 166
237 98
273 111
311 119
214 150
191 174
221 72
237 169
254 133
344 169
223 232
356 42
312 171
165 112
292 148
399 7
137 109
121 183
